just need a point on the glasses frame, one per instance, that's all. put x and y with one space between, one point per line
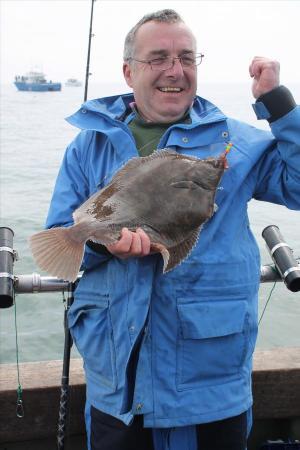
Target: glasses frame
169 58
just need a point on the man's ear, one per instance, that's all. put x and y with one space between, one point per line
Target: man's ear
127 73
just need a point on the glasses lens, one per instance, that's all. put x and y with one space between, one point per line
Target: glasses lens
167 62
161 63
189 60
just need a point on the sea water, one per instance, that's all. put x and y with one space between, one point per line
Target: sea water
33 137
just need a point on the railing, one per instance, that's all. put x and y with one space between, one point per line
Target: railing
285 268
35 283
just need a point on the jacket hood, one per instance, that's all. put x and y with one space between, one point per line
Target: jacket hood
117 107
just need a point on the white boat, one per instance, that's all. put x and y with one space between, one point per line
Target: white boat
73 82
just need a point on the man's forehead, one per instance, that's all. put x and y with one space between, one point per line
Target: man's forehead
158 37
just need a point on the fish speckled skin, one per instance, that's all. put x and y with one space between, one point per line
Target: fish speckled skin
167 194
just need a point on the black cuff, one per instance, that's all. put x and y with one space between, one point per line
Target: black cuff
98 248
278 102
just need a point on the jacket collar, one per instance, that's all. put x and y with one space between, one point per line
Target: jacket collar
117 107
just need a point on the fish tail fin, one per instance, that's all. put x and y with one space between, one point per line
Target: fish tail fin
56 252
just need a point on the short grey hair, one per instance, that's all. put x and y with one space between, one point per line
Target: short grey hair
164 15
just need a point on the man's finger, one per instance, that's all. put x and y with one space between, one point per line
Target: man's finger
136 246
145 242
124 243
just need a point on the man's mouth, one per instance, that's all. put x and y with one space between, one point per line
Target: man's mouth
170 89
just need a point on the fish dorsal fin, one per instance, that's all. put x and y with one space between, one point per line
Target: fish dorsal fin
173 256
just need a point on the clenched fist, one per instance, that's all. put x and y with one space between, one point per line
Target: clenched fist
265 74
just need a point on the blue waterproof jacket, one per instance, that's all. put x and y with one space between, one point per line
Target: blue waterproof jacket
177 347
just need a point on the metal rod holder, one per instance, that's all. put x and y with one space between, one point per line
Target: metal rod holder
283 257
7 256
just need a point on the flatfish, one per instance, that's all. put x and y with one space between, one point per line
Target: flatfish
167 194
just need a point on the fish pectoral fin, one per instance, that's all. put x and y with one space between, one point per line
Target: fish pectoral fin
181 251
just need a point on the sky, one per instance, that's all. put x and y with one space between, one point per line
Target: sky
52 36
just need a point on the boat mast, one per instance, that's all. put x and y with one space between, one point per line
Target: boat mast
87 73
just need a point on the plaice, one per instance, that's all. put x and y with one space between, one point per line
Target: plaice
168 195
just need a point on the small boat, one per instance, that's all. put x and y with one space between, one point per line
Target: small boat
35 81
73 82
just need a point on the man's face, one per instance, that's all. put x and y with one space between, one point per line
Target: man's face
155 100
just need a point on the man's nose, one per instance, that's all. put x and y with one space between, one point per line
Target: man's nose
176 68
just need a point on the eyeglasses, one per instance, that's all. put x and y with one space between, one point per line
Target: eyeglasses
167 62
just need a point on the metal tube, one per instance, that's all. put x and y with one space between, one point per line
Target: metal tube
28 284
34 283
269 274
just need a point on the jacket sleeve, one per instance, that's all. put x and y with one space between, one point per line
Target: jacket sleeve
278 172
71 190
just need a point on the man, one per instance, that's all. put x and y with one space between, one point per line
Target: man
168 357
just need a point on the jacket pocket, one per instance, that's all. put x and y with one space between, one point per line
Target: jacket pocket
212 341
91 329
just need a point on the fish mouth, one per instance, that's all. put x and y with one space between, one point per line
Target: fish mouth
169 89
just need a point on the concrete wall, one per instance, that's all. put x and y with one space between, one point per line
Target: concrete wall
276 390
